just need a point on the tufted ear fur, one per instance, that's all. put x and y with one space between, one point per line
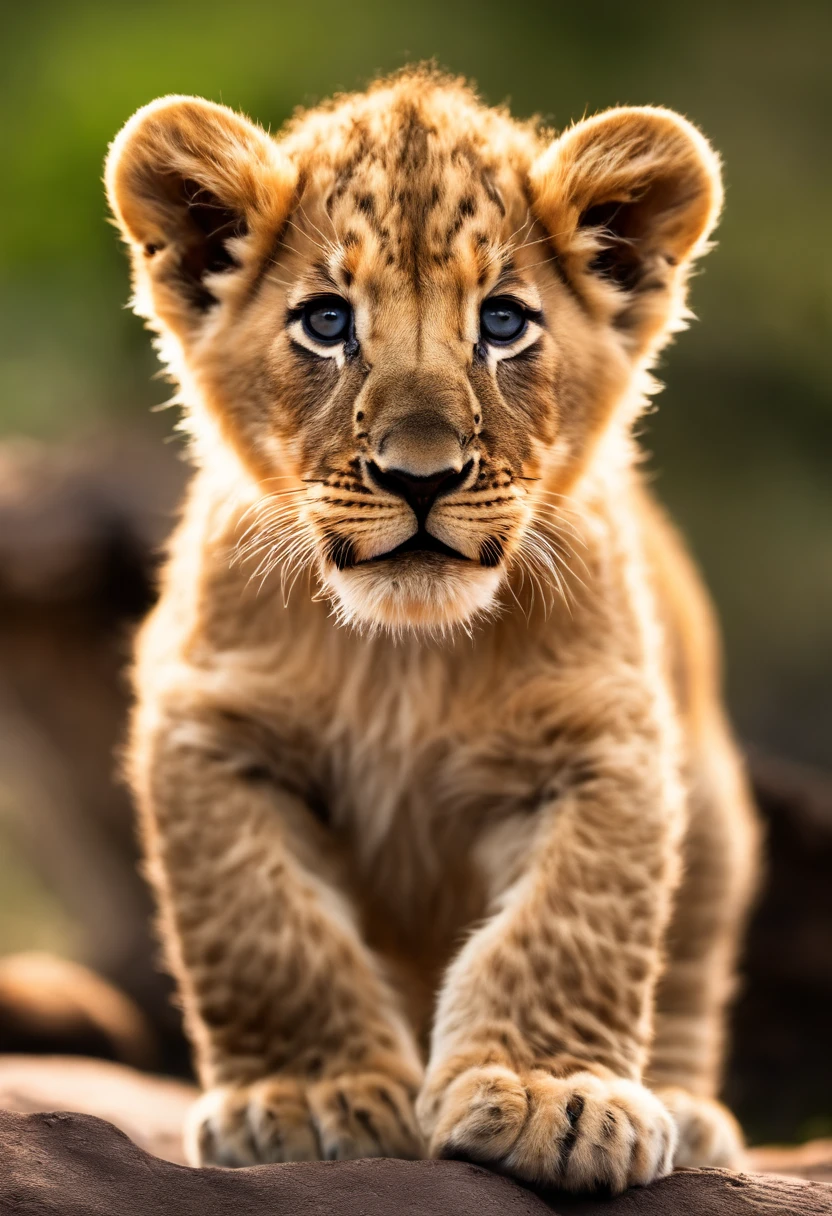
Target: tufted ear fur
629 198
198 191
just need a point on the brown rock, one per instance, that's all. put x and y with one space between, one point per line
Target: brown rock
76 1165
812 1160
779 1077
79 1165
150 1110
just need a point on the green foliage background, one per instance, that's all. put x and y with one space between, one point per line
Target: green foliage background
742 438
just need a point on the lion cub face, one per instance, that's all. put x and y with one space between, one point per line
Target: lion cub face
411 318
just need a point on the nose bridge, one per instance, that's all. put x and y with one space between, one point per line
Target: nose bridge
419 422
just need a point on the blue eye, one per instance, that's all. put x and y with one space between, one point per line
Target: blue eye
327 319
502 320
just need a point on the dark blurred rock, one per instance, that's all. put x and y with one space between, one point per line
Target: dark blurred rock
75 1165
780 1069
81 526
46 1000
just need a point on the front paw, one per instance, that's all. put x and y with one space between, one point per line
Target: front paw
580 1133
709 1135
281 1119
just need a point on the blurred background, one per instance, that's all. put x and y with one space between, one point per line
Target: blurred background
741 443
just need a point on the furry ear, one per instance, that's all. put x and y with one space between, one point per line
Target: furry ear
629 199
197 191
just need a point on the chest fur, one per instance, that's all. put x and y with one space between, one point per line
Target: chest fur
433 783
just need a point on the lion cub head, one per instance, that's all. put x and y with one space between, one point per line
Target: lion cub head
411 318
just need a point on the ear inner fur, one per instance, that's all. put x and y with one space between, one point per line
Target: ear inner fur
184 178
629 199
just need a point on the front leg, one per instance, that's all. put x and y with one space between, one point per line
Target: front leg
544 1021
298 1041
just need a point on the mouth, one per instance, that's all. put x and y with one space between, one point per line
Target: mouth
420 544
421 584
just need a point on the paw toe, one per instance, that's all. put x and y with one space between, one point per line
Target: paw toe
364 1116
266 1122
480 1116
581 1133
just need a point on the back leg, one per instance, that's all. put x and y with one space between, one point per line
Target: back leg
720 866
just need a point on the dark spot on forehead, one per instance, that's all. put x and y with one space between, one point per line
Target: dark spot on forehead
358 149
414 133
428 192
462 152
323 272
453 228
367 205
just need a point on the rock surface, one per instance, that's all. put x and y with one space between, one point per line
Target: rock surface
150 1110
77 1165
812 1160
59 1164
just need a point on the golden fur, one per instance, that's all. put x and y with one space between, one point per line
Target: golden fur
416 823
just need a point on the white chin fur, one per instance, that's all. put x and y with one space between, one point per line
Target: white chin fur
412 595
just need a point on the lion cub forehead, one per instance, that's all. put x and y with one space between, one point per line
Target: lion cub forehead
413 177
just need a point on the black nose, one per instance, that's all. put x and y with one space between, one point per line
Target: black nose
420 493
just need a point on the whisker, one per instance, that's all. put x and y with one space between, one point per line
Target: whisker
526 611
530 245
308 236
286 284
332 246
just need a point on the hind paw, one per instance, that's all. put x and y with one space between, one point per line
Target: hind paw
708 1134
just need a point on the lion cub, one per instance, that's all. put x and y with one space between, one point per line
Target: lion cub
450 838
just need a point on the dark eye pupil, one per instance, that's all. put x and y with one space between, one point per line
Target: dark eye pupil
502 320
327 320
